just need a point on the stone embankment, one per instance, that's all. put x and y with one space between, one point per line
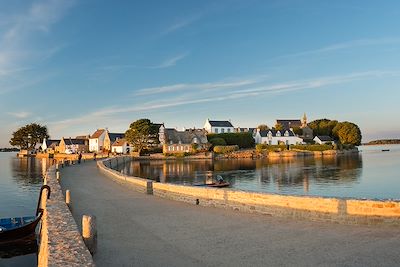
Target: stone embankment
60 241
337 210
254 154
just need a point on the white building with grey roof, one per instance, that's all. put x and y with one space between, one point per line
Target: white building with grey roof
218 127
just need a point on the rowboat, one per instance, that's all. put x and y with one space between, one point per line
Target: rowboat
12 229
223 184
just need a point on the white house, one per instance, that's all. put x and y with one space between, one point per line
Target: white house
96 141
120 146
323 139
273 137
219 127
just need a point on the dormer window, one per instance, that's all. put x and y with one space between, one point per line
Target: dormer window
286 133
278 133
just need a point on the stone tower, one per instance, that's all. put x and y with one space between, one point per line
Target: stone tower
304 121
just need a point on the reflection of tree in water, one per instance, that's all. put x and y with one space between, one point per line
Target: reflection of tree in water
282 172
26 171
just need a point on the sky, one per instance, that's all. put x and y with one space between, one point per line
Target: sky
76 66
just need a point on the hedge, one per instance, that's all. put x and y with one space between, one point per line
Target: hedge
312 147
242 140
217 141
225 149
276 148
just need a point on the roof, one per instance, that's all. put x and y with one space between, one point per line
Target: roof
185 137
70 141
119 142
325 138
115 136
220 123
287 124
264 133
97 133
52 142
83 137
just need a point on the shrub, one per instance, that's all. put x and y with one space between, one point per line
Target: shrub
217 141
313 147
243 140
225 149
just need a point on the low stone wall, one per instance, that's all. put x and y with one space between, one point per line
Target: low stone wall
60 241
337 210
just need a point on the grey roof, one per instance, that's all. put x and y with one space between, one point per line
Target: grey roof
264 133
325 138
70 141
220 123
115 136
287 124
52 143
185 137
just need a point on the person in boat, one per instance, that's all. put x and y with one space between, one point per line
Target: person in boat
220 179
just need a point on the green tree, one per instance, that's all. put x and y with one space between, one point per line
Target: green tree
263 127
297 130
323 126
142 134
347 133
278 127
29 135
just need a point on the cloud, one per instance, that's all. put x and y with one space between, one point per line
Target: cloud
198 86
182 23
20 114
242 90
346 45
16 49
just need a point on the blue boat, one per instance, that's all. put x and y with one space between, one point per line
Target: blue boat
12 229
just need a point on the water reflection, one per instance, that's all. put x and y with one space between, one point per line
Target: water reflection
288 175
27 172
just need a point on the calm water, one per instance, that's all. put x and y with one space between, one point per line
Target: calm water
20 182
370 174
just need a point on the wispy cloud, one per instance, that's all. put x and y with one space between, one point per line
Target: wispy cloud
15 46
20 114
181 23
347 45
239 90
197 86
169 62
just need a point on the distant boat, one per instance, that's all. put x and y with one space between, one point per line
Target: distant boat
223 184
12 229
385 150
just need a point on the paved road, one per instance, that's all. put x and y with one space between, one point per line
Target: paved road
135 229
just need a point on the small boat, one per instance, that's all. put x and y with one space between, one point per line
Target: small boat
385 150
223 184
12 229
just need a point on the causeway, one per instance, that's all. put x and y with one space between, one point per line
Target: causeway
135 229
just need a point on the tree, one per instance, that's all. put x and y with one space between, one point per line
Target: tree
28 136
141 134
347 133
298 131
263 127
323 126
278 127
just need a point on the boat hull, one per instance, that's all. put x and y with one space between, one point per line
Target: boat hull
17 228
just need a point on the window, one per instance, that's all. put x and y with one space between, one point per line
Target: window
216 130
229 130
222 130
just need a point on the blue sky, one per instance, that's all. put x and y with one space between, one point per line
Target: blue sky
80 65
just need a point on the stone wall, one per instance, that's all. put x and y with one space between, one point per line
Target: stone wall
346 211
60 241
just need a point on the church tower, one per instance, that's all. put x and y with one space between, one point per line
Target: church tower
304 121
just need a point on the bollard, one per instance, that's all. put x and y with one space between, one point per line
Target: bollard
68 198
56 166
149 187
89 232
58 175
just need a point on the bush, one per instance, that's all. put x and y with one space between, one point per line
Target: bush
217 141
313 147
275 148
225 149
243 140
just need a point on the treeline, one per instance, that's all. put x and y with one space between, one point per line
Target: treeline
384 142
346 133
